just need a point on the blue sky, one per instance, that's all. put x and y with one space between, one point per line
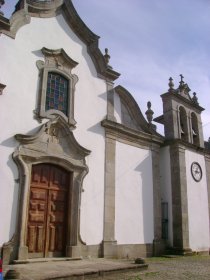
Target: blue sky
149 41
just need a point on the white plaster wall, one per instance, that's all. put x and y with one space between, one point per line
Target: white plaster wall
19 73
166 191
198 215
134 195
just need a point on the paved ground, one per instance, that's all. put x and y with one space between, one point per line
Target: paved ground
180 268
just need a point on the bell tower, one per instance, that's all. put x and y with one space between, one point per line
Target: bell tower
181 115
181 177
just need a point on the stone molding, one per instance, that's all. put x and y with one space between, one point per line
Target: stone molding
186 145
59 62
54 143
182 100
31 8
130 136
10 27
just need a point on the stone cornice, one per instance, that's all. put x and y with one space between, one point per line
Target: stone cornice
185 101
32 8
49 128
119 131
58 53
185 145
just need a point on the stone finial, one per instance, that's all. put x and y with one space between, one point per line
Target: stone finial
183 87
1 4
1 88
149 113
107 56
181 83
171 84
195 98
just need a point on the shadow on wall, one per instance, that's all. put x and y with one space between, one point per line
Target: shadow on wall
9 142
97 129
145 170
16 194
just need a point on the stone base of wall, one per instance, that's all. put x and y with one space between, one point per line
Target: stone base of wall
131 251
113 250
106 250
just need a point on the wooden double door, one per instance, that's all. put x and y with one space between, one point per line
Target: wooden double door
48 211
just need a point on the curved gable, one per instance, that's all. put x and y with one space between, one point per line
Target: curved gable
131 113
29 8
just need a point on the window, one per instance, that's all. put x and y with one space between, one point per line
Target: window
57 93
183 124
57 86
195 131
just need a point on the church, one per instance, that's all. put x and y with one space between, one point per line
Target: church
84 173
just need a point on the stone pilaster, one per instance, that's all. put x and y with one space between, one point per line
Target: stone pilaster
207 160
158 245
109 242
179 198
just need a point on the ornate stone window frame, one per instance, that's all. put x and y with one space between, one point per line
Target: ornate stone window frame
56 61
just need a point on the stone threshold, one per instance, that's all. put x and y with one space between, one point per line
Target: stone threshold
79 270
94 274
42 260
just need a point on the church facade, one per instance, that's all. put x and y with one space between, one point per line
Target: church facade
83 172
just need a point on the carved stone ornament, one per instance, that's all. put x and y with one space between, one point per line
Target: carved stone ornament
1 4
59 62
53 143
149 113
1 88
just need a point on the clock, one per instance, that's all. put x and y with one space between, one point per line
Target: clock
196 171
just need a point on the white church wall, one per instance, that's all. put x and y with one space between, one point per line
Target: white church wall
134 195
20 75
166 191
198 215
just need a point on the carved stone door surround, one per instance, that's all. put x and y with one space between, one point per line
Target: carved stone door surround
54 143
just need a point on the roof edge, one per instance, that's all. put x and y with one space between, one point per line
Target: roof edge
25 9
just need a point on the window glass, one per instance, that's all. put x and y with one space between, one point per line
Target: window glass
57 93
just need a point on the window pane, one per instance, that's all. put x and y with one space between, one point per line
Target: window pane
57 93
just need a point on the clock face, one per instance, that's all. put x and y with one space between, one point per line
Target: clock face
196 171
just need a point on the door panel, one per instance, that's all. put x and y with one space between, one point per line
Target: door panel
47 219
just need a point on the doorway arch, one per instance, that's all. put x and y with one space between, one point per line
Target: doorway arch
52 148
